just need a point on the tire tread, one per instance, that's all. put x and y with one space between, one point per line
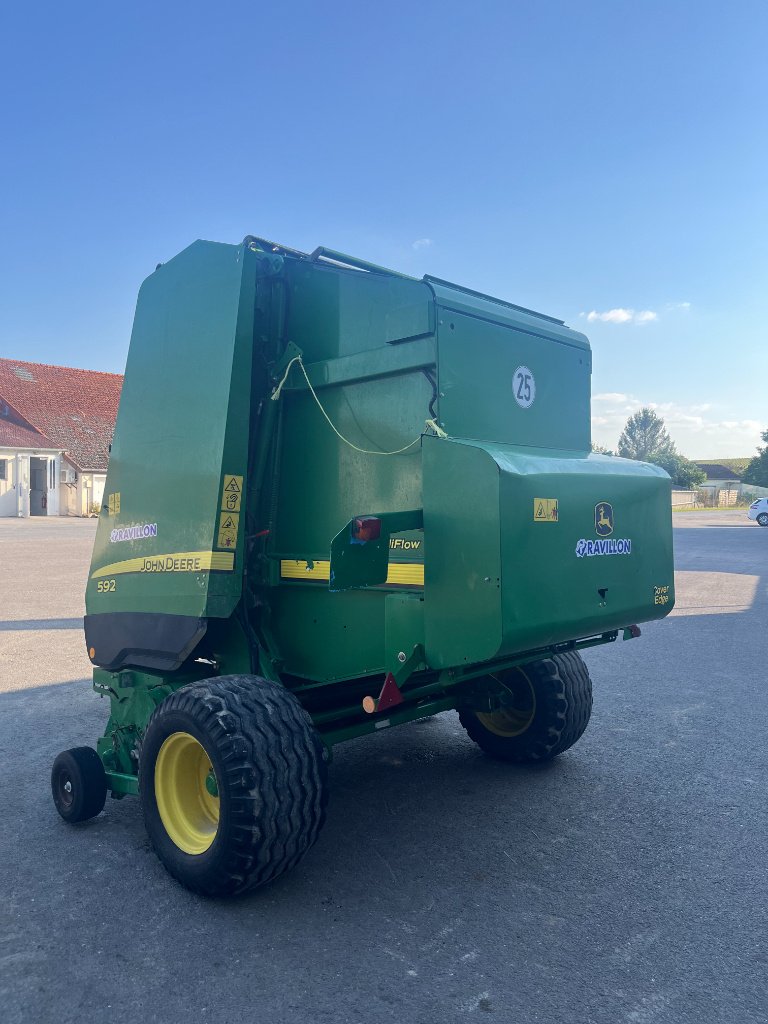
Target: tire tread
563 693
275 774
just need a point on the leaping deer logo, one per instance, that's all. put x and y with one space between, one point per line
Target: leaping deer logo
603 519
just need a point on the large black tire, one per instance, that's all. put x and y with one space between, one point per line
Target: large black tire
78 784
763 519
550 705
262 753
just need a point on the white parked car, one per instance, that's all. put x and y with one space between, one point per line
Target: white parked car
759 510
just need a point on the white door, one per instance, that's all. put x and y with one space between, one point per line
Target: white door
54 466
99 480
8 480
22 485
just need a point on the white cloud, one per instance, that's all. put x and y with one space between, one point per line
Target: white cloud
685 306
622 316
613 316
422 243
609 396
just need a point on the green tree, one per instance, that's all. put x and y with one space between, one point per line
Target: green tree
646 439
645 436
757 471
600 449
685 474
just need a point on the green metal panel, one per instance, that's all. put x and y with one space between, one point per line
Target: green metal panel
550 592
334 312
484 307
324 636
478 360
462 573
182 425
355 563
323 483
365 339
403 627
523 560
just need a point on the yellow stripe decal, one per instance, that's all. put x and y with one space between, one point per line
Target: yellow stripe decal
176 561
409 574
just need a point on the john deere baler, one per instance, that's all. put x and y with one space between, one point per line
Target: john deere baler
341 499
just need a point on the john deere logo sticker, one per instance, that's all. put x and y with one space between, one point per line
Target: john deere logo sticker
603 519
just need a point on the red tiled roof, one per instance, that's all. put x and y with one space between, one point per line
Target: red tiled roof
19 435
73 409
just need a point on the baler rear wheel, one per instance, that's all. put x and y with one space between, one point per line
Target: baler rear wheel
549 706
233 783
78 784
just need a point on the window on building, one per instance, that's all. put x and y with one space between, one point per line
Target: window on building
3 469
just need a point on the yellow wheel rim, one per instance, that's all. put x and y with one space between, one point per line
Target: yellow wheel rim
513 719
185 784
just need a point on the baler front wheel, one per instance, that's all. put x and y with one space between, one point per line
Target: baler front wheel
233 783
547 709
78 784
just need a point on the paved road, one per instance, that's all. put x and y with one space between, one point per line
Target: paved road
626 882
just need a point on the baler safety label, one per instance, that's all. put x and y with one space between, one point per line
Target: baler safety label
545 510
229 524
176 561
231 493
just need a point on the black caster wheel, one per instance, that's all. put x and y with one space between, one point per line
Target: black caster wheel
78 784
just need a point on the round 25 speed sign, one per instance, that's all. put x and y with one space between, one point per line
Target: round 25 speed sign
524 387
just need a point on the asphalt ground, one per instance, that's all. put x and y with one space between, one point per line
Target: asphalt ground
625 882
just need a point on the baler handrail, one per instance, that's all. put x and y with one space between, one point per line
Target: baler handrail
430 279
364 451
341 259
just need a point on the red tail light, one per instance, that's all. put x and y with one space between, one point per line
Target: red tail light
366 528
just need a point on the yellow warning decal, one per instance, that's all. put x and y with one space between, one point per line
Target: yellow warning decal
545 510
231 493
229 523
404 574
176 561
113 504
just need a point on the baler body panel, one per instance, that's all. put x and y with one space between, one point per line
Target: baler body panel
366 340
479 361
182 426
519 564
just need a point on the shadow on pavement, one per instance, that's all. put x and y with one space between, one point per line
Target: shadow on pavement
11 625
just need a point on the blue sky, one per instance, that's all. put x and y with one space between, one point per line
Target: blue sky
603 162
